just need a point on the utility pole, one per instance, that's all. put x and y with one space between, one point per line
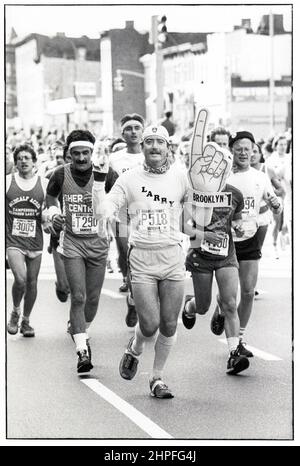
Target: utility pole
272 83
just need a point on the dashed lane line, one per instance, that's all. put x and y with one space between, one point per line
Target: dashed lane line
142 421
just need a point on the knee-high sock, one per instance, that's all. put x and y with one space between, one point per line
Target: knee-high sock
162 348
139 341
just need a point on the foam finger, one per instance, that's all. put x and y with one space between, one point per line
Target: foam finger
198 135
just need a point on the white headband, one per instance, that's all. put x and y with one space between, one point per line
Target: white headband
131 123
81 143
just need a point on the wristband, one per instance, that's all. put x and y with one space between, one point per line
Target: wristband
99 176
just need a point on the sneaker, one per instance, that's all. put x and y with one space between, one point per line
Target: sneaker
69 331
217 321
12 326
243 350
26 329
187 320
84 364
131 316
236 362
159 389
124 287
129 362
61 294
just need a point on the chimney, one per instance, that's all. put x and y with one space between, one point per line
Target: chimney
129 25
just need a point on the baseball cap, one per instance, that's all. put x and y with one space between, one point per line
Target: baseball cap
154 130
240 135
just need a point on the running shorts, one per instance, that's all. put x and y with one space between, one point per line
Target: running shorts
196 262
93 250
250 249
26 252
149 266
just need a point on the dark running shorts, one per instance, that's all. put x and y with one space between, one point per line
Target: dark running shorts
250 249
195 262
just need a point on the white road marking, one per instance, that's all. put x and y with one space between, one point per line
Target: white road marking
257 352
142 421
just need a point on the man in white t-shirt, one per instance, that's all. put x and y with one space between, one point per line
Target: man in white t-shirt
255 187
121 161
154 193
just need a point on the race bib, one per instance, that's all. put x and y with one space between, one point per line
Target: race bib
84 224
153 221
220 249
249 206
24 227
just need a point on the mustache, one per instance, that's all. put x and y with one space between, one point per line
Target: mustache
154 151
81 162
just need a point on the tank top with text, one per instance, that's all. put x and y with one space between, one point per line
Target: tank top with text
80 220
24 216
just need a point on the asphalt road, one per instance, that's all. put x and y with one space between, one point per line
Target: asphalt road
47 399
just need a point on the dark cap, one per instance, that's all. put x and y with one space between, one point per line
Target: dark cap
240 135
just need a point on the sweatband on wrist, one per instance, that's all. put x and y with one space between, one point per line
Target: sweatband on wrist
81 143
99 176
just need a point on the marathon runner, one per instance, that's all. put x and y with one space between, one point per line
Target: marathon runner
255 187
212 248
125 159
25 196
154 193
83 251
61 285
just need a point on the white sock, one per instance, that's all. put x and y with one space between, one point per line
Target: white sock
162 349
130 300
87 326
80 341
17 310
189 307
139 341
242 333
232 343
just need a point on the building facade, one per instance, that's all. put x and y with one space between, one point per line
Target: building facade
58 82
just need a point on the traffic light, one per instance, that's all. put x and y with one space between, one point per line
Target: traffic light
162 31
118 83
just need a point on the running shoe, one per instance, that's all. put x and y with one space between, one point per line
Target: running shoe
26 329
12 326
188 320
69 331
243 350
159 389
217 321
124 287
84 363
129 362
62 295
236 362
131 316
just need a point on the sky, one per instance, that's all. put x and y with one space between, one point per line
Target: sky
75 20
